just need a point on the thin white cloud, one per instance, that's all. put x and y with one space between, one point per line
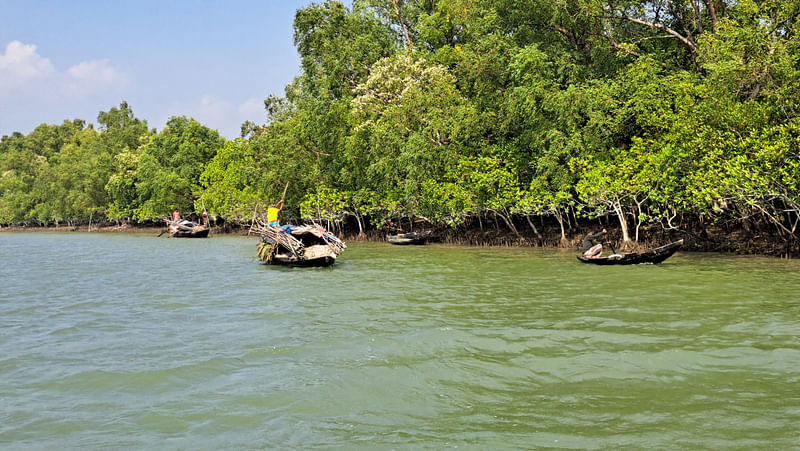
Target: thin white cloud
221 114
214 106
33 90
21 64
32 75
96 71
253 107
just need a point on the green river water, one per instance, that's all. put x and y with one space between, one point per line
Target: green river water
113 341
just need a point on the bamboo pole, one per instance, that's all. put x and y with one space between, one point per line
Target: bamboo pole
284 191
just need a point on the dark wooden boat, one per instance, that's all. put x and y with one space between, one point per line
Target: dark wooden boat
298 246
199 233
416 238
186 229
651 257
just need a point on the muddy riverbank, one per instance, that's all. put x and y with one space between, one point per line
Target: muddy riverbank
698 239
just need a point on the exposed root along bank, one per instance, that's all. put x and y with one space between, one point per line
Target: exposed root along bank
699 238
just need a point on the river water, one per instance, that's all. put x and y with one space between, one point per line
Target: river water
114 341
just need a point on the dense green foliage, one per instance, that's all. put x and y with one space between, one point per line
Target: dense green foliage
655 112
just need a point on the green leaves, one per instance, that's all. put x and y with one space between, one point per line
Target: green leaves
412 123
169 167
648 111
337 46
230 180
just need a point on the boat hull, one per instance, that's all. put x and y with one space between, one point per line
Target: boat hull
650 257
202 233
411 238
287 260
302 246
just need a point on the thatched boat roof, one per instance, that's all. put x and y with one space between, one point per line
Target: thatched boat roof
296 244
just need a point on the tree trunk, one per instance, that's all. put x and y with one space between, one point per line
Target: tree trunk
508 221
360 229
533 227
623 224
396 5
560 219
637 217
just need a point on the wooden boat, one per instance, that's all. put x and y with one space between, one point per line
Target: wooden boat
652 256
308 245
409 238
186 229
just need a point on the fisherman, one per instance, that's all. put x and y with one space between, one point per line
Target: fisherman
592 244
205 217
394 228
272 214
176 215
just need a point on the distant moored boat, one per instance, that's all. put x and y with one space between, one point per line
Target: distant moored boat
409 238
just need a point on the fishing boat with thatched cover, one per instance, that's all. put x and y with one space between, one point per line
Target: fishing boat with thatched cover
186 229
308 245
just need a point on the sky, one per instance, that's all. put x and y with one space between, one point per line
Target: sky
211 60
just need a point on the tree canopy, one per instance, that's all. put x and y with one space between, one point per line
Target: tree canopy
656 113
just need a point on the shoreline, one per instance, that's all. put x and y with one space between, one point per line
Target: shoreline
732 244
121 229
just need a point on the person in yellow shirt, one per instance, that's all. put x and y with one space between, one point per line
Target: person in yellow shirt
272 214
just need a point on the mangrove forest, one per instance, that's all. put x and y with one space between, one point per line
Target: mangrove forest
526 116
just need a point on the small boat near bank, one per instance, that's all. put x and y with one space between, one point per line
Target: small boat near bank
653 256
414 238
186 229
288 245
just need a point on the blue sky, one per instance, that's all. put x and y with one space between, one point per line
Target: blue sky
215 61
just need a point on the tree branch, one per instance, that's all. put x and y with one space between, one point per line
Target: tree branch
657 26
396 5
712 11
698 19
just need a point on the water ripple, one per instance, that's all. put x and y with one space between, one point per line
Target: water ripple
133 341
